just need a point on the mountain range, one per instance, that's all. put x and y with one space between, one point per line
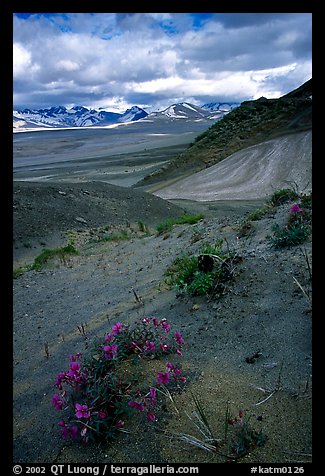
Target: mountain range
77 116
80 116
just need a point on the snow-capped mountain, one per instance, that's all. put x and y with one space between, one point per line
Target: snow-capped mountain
80 116
182 111
77 116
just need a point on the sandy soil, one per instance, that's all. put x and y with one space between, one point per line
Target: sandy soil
262 311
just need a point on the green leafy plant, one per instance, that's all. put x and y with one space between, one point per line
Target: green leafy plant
49 254
99 391
297 229
103 236
259 213
201 283
282 196
46 256
168 224
203 273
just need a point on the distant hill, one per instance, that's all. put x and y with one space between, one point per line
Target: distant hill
251 123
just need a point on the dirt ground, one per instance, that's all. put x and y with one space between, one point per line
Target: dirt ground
263 312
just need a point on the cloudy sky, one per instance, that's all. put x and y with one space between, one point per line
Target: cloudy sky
116 60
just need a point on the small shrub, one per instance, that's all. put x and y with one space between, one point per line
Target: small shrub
245 229
239 438
285 237
306 201
297 230
102 236
100 391
203 273
20 271
201 284
283 196
47 255
258 214
143 228
168 224
243 437
180 273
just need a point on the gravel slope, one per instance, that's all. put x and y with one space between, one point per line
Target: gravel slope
43 212
251 173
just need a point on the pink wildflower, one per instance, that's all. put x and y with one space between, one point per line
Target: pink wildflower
120 424
66 432
74 430
153 395
179 338
170 366
82 411
150 416
57 402
162 377
109 337
117 328
164 347
136 405
110 351
59 379
150 346
295 209
165 325
74 369
177 372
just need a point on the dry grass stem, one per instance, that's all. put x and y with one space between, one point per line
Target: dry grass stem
303 291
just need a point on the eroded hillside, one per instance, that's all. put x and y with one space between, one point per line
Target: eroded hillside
251 123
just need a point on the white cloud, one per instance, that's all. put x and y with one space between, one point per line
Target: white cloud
100 57
21 60
67 65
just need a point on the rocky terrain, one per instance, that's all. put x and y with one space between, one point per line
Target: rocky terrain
263 313
248 349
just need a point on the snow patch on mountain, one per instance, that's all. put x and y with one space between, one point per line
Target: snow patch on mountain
77 116
80 116
183 111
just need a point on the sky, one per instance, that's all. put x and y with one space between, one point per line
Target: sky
113 61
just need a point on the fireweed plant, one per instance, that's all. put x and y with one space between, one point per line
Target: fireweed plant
98 392
298 227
